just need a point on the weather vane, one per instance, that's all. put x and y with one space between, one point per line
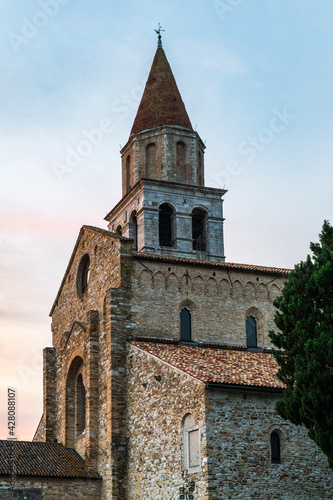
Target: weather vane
159 35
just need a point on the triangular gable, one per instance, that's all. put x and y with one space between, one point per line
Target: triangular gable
104 232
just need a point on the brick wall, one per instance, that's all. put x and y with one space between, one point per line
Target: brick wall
162 164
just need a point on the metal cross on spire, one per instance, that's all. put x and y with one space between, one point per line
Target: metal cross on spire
159 44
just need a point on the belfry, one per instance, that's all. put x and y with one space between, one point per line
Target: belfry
166 209
160 382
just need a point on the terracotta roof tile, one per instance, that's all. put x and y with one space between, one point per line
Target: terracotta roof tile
161 103
42 459
224 265
218 366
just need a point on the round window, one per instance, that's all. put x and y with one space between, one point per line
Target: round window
83 274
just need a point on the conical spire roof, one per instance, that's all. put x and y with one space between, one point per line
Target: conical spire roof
161 103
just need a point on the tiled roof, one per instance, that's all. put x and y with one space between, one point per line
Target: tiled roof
161 103
218 365
42 459
223 265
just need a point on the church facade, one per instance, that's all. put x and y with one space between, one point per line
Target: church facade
160 375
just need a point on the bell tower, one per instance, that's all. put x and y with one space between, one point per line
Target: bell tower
166 209
162 145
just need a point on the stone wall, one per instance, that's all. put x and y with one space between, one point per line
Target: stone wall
219 300
39 434
50 489
104 251
239 424
89 334
159 397
145 200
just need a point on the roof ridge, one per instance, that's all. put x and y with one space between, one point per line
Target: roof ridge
226 265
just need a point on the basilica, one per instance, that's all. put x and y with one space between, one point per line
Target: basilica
160 382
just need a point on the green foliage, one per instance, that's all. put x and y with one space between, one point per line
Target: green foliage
305 319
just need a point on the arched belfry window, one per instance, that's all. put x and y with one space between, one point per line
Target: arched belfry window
198 229
185 325
80 407
150 160
165 228
128 173
275 448
133 225
251 332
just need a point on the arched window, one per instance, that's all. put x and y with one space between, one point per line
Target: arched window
185 325
150 160
275 448
128 173
181 158
133 230
198 229
191 444
200 170
80 407
251 332
165 225
83 274
119 230
75 401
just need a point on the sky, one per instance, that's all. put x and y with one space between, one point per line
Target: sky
256 79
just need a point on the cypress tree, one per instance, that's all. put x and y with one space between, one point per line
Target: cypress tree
304 318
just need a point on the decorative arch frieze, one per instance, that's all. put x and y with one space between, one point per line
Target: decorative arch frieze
274 292
225 289
159 282
199 285
237 290
172 283
145 279
262 293
249 291
212 287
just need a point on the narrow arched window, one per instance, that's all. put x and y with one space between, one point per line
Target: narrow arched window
181 159
251 332
198 229
200 170
275 448
80 406
165 225
150 160
119 230
191 444
83 274
128 173
185 325
133 225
